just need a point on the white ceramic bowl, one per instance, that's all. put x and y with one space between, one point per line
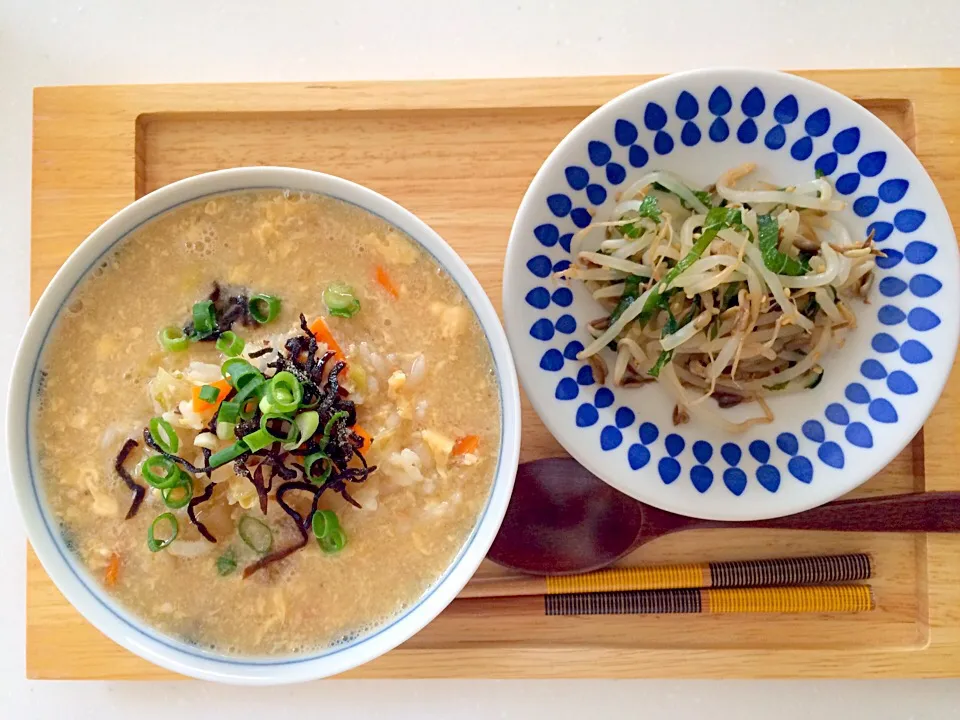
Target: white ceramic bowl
877 389
85 593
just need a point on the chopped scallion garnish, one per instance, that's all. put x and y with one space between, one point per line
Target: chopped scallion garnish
204 318
235 369
334 542
306 424
327 530
159 472
264 308
153 543
180 494
255 534
229 412
258 440
226 563
222 457
284 392
326 467
340 300
225 430
229 343
164 435
208 393
173 339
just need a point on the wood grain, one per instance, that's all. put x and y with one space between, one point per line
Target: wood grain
460 154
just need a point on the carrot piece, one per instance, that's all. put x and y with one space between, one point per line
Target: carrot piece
465 444
222 386
384 280
367 440
322 333
113 569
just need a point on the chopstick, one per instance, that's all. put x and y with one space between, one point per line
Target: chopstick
819 570
706 601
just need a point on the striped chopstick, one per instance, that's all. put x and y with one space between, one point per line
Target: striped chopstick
820 570
824 599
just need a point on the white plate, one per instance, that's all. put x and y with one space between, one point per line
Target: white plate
877 390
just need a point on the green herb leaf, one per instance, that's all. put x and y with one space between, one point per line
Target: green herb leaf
704 197
226 563
650 208
664 358
631 291
769 240
819 173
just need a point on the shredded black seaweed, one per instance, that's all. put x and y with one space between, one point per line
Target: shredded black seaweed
228 309
138 490
302 524
260 353
192 509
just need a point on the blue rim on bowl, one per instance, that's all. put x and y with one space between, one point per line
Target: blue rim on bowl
84 592
877 390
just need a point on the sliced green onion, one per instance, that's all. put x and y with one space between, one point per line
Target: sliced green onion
311 460
204 319
255 534
156 545
172 339
229 411
306 424
264 308
180 494
328 428
334 542
249 386
209 393
285 436
159 472
164 435
284 392
248 409
235 369
222 457
341 301
323 522
229 343
225 430
258 440
226 563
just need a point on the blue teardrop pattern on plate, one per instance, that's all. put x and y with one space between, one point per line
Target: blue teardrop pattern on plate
787 442
775 138
625 132
581 217
638 456
858 434
873 369
566 324
585 375
891 286
891 315
831 454
893 190
901 383
674 444
567 389
648 433
907 221
847 183
542 329
599 152
787 110
624 417
690 134
893 257
539 298
720 102
719 130
753 103
603 398
687 106
638 156
884 343
702 477
921 319
857 393
801 149
587 415
560 205
610 438
872 164
731 453
616 173
826 164
669 470
747 132
818 123
923 285
573 348
654 117
883 411
866 205
768 477
801 468
760 451
880 230
702 451
735 480
563 297
548 234
577 177
552 360
663 143
837 414
915 352
813 430
596 194
846 141
919 252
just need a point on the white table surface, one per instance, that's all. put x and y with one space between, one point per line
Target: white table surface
143 41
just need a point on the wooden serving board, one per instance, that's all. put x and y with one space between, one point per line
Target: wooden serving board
460 154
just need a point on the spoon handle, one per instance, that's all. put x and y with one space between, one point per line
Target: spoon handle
912 512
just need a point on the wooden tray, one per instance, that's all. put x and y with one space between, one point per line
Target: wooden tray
460 154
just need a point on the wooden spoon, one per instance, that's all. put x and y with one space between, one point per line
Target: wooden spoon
563 519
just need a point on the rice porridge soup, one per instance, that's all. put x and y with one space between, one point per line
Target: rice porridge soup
267 422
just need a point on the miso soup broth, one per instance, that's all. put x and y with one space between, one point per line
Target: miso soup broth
268 421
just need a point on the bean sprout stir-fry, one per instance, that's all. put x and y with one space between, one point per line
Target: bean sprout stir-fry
724 292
